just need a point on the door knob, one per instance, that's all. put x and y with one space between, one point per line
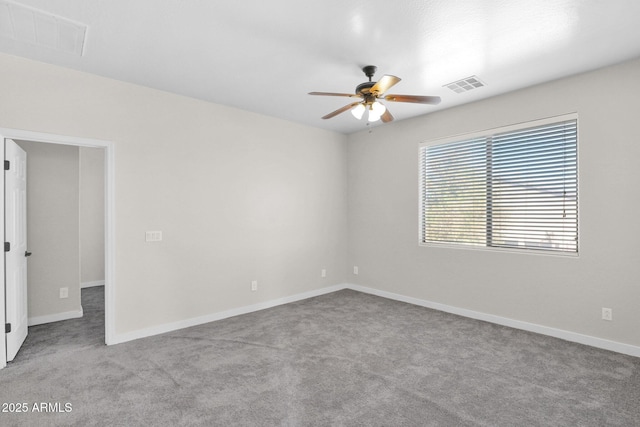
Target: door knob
27 253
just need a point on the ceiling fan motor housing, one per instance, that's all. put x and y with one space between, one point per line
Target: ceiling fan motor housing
364 88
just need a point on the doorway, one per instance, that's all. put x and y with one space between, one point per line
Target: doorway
109 235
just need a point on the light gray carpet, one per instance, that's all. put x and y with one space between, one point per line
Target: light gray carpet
342 359
69 335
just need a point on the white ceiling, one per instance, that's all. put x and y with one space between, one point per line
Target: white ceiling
265 56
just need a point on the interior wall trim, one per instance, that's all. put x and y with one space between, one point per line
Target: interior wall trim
40 320
173 326
601 343
91 284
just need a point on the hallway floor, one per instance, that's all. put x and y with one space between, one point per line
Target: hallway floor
68 335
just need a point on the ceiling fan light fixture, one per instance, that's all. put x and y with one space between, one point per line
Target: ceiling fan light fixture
374 116
378 107
369 93
358 111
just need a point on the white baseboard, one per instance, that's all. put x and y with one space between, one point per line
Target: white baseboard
628 349
40 320
517 324
168 327
91 284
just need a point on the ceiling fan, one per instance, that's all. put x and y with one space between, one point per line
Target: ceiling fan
370 93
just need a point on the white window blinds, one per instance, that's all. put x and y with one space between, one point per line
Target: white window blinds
513 189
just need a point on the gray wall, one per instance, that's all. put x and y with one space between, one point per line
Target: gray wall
52 230
242 197
238 196
92 212
566 293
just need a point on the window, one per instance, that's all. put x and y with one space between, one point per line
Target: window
514 188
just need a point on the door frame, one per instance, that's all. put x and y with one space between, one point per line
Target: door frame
109 238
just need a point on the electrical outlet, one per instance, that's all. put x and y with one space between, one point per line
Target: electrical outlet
323 273
254 285
64 292
355 269
607 314
153 236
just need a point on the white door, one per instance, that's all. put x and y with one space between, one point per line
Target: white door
16 238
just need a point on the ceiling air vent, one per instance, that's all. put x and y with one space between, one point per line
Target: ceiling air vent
40 28
465 85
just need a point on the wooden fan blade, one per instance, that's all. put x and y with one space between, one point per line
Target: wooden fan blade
386 117
433 100
350 95
384 84
340 110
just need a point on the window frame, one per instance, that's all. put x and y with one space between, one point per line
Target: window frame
485 133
